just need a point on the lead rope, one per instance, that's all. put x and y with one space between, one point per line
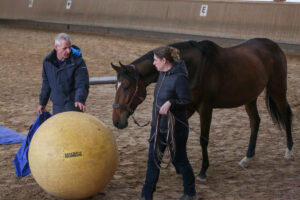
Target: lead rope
138 124
170 143
197 132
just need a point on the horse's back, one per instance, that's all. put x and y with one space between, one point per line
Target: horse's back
259 54
265 49
240 73
275 60
271 55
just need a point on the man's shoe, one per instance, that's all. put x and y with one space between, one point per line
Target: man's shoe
187 197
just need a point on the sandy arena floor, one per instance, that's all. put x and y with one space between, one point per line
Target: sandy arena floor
269 177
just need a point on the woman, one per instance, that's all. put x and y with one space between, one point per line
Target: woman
171 94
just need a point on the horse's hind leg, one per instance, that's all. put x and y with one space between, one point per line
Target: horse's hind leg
254 118
276 100
281 113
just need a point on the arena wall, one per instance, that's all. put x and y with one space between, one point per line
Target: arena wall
231 19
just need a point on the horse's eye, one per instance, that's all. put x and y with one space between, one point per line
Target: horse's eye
126 87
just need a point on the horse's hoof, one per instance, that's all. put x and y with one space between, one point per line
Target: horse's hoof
244 163
201 178
289 154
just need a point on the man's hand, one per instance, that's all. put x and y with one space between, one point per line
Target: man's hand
165 108
80 106
41 109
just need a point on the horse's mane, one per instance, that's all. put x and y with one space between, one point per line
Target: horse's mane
208 48
127 72
208 52
147 56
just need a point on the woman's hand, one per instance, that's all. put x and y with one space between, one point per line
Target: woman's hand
165 108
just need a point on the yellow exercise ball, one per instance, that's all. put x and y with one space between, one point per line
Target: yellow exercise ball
73 155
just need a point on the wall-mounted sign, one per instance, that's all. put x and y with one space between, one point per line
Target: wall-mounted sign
30 3
203 10
68 6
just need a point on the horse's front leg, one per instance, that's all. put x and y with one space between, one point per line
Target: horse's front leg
205 113
254 118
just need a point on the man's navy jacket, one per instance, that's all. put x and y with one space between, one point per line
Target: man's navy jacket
68 82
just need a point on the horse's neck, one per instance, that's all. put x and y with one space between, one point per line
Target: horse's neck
147 71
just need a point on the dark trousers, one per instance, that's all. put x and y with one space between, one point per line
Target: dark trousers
69 106
180 162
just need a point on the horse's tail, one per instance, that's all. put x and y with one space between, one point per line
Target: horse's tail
276 100
276 115
277 103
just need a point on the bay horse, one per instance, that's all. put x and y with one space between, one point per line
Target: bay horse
219 78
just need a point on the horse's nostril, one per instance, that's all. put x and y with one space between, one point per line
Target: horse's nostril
116 124
119 125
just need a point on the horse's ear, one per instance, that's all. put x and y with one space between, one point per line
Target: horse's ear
115 67
121 64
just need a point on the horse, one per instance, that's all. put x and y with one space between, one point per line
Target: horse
218 78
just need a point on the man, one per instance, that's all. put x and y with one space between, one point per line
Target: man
65 78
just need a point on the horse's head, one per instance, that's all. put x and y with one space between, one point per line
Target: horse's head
130 92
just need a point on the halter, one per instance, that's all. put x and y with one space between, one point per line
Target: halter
135 94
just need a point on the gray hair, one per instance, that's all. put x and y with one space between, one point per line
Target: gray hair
61 36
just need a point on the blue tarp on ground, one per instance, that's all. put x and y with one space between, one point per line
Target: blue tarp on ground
9 136
21 158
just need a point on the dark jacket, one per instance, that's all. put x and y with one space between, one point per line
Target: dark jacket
66 83
173 86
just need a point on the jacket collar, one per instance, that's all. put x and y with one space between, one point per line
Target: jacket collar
178 68
75 52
